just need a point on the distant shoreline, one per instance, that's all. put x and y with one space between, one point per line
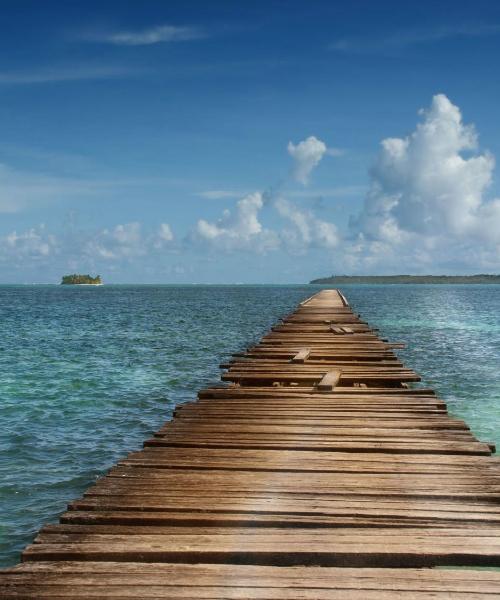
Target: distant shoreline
407 279
325 281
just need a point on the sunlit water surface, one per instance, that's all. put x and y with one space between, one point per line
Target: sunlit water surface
86 374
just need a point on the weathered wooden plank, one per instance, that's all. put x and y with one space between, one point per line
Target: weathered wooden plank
251 576
314 377
279 549
39 591
133 522
391 447
293 481
268 502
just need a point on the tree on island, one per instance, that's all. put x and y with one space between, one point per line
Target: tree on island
76 279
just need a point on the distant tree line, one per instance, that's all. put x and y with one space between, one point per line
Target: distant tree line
338 279
79 279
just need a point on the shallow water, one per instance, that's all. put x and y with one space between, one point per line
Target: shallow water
86 374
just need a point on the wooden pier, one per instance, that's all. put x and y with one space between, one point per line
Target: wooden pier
316 472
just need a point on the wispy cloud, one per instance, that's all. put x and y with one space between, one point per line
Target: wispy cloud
220 194
335 192
335 152
21 190
312 192
66 73
146 37
412 37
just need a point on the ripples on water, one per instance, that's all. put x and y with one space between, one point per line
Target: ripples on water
86 374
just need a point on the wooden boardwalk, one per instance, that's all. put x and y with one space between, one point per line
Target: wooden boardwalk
316 472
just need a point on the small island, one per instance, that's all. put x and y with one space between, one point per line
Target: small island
385 279
81 280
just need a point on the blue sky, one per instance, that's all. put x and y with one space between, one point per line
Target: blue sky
222 142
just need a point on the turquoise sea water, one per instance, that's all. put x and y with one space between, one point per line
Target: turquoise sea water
86 374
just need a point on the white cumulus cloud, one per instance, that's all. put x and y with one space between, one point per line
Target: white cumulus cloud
306 155
427 195
163 237
122 241
305 229
238 229
34 244
165 233
88 249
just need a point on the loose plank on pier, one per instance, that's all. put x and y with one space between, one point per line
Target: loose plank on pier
302 355
329 380
315 473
